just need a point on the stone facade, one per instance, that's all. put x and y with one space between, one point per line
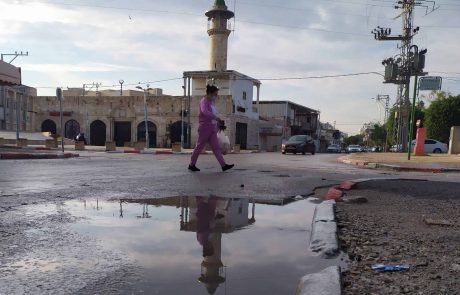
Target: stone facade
121 119
11 98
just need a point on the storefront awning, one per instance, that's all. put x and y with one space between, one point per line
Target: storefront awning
9 74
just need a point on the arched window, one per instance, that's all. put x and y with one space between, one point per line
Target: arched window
49 126
72 128
152 130
97 133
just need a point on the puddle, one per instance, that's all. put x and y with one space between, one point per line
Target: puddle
205 245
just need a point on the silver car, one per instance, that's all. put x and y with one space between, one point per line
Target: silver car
354 148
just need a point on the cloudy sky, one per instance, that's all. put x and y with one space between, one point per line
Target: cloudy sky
72 42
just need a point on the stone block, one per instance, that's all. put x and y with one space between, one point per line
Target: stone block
110 146
79 146
176 147
22 142
325 282
140 145
51 143
454 144
236 148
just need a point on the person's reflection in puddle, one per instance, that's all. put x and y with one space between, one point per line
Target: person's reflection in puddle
206 222
210 238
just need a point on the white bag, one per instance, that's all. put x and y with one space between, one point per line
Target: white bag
224 142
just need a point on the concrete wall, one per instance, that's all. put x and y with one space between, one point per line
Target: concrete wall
454 144
238 89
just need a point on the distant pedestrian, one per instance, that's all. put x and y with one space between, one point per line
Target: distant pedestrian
80 137
207 130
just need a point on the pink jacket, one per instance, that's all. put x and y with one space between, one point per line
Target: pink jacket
206 116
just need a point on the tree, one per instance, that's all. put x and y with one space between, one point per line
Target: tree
441 115
378 135
355 139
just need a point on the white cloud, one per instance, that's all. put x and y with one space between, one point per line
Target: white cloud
72 45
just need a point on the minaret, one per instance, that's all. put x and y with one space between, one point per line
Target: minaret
218 32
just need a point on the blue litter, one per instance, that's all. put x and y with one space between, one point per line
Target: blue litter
390 267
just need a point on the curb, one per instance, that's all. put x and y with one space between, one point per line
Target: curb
37 148
325 282
324 239
24 156
372 165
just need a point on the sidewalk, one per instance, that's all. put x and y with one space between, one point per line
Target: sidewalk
398 161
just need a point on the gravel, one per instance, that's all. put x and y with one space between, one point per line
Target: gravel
390 228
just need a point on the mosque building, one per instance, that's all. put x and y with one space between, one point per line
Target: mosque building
118 116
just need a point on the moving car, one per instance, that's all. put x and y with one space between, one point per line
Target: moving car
433 146
334 148
354 148
299 144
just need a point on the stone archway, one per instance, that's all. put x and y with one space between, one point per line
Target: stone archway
98 133
48 126
152 130
72 128
176 130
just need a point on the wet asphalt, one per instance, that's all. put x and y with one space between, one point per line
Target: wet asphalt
36 238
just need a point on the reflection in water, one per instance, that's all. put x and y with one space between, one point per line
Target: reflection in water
209 217
206 245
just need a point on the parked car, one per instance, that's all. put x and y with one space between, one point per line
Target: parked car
354 148
376 149
433 146
334 148
396 148
299 144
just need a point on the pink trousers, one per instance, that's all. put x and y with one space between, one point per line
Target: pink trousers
207 134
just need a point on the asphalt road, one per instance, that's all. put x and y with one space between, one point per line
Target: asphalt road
96 174
41 252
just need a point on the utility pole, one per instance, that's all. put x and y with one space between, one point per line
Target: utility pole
15 54
386 100
400 68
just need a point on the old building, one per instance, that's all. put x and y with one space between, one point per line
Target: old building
16 108
121 119
15 101
118 115
294 119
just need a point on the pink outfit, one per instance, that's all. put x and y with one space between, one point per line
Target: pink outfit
207 132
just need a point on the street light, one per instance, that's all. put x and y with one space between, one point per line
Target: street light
145 113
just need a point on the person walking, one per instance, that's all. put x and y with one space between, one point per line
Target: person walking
207 130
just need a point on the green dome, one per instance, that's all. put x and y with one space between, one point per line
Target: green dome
219 3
